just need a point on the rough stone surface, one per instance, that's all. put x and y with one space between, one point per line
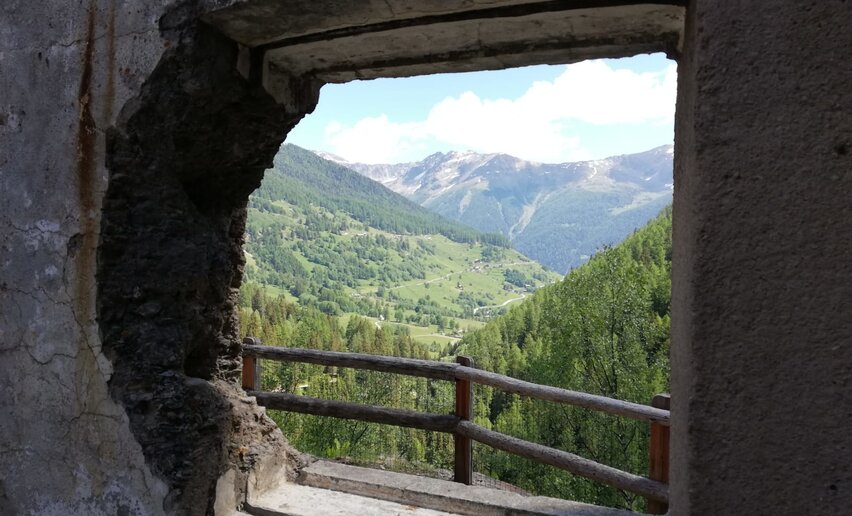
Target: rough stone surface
762 280
170 258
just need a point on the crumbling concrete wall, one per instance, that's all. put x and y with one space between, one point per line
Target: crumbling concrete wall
761 327
128 146
182 162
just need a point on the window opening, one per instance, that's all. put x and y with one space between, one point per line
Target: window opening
438 215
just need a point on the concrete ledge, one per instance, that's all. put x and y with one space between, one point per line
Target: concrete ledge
297 500
440 494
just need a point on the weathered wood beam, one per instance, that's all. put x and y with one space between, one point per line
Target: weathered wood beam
407 366
450 371
345 410
462 446
575 464
568 461
578 399
658 453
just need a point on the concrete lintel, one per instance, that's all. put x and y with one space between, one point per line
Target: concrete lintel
528 33
269 22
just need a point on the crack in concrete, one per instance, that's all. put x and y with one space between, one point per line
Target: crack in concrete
87 413
36 236
23 345
34 228
31 294
390 8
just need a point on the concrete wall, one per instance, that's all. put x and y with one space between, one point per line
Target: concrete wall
67 69
126 159
762 280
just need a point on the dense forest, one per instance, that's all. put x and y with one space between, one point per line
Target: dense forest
603 329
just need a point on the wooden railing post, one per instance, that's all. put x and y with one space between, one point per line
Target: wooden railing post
658 451
251 367
463 471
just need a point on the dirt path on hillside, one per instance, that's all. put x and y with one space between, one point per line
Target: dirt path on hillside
523 296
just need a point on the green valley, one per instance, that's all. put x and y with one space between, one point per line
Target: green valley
329 238
559 214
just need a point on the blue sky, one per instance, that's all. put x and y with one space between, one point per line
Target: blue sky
587 110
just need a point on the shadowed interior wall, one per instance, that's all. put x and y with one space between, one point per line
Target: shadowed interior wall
761 327
182 162
66 68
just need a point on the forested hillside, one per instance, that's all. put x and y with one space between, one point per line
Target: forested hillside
604 329
326 237
302 178
276 320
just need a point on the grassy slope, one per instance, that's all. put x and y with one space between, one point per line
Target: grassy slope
451 258
454 258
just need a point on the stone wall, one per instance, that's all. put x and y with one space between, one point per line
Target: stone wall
170 259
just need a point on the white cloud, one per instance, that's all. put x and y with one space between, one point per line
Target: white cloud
372 139
533 126
501 126
594 93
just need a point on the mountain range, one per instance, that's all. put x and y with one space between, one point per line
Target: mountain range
558 214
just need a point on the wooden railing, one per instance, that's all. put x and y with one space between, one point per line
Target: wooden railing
654 487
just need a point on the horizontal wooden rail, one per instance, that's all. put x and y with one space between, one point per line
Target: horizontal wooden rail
459 425
346 410
406 366
450 371
454 425
568 461
578 399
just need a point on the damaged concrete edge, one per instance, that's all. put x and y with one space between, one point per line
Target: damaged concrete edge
270 471
182 159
